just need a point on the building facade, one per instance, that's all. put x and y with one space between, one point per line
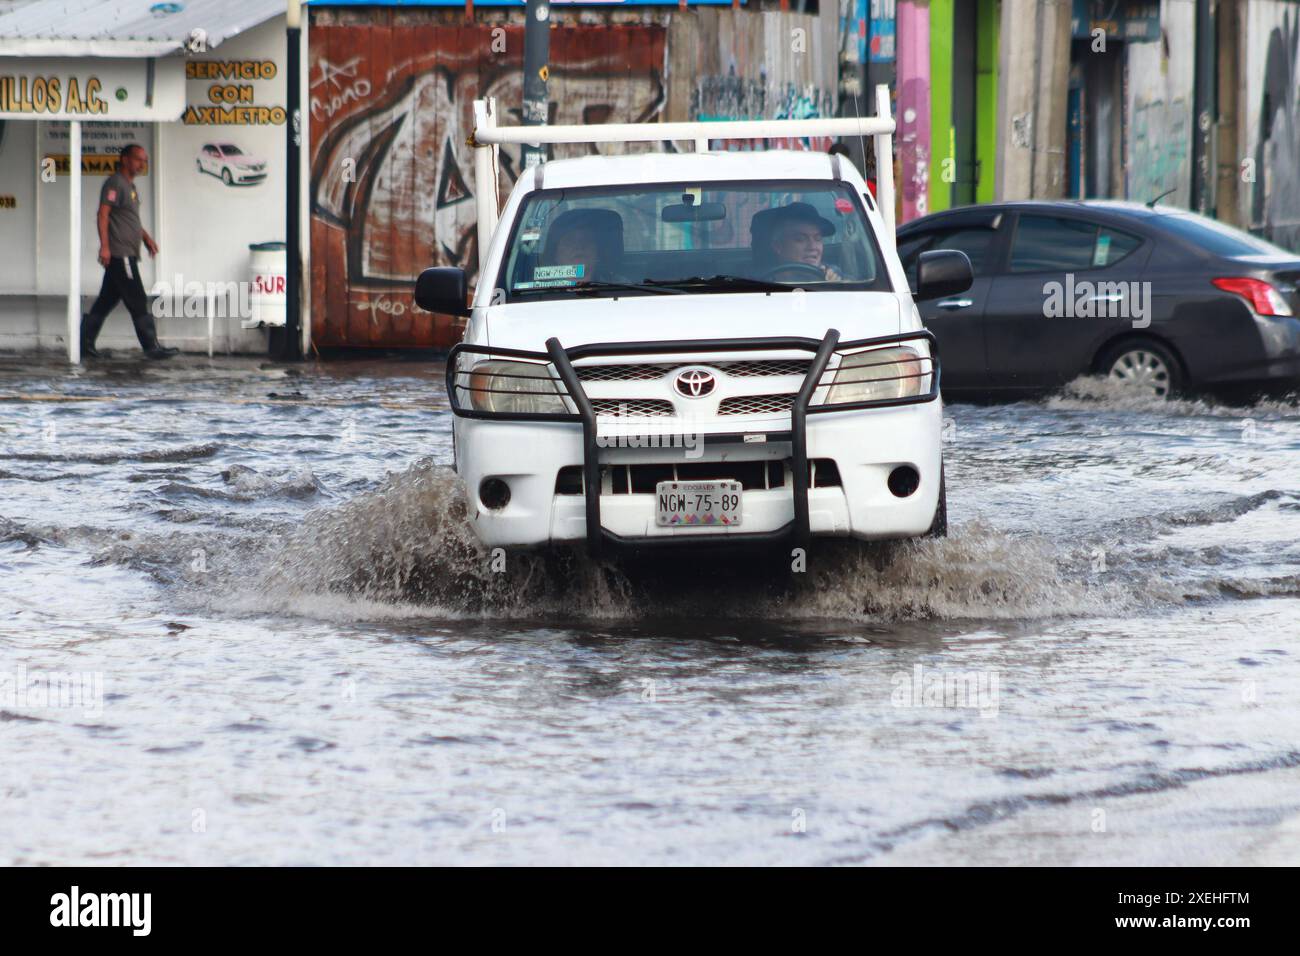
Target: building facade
180 90
1194 102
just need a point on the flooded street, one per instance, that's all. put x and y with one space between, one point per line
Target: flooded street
282 646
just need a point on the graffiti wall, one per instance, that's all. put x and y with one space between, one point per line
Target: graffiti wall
738 65
392 177
1270 190
390 107
1159 110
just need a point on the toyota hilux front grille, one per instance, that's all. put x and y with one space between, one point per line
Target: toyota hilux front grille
752 475
757 405
632 407
645 372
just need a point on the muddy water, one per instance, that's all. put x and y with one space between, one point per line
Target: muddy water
241 621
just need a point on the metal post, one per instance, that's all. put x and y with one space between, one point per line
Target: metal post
74 242
292 345
485 176
537 54
885 164
1204 98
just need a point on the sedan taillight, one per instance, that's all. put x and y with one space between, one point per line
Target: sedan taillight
1264 298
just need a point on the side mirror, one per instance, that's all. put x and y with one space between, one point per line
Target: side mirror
942 272
442 289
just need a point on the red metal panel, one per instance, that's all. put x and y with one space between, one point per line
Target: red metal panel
392 177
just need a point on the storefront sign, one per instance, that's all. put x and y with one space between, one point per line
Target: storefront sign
227 93
1135 20
101 144
91 89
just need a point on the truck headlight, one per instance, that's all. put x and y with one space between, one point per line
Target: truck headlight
879 375
514 388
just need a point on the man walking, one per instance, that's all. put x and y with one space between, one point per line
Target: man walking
120 235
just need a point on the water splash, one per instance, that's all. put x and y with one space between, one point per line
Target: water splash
247 484
976 573
407 549
1093 393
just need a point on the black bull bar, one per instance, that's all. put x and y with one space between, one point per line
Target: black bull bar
561 359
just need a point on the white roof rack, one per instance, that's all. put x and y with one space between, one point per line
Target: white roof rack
488 137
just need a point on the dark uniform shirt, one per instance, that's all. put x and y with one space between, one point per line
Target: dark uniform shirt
124 229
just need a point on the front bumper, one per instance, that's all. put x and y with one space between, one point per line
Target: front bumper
866 442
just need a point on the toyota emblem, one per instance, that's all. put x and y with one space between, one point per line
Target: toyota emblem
695 382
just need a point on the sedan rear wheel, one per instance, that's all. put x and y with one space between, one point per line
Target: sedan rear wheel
1145 366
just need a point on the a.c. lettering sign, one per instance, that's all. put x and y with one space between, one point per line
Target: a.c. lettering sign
92 89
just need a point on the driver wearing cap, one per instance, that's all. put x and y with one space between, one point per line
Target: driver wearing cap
788 242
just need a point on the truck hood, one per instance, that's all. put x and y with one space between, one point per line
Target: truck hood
638 318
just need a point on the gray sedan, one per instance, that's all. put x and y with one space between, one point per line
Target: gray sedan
1156 297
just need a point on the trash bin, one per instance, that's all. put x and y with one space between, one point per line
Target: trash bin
267 264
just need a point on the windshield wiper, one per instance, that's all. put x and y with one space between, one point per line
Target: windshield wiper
723 282
590 288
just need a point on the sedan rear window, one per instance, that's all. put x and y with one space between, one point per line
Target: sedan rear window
1051 244
1218 238
1112 246
1048 244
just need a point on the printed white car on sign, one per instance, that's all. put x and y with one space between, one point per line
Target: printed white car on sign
694 349
230 164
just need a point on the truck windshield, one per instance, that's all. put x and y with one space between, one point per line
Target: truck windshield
707 237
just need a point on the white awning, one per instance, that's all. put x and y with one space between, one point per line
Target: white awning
126 28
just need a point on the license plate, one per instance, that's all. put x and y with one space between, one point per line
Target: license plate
697 504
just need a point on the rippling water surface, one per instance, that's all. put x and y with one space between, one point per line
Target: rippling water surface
241 621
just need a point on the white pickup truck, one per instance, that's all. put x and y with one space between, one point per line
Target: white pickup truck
693 349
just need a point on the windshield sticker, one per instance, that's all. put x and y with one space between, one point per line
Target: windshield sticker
1102 252
843 205
548 284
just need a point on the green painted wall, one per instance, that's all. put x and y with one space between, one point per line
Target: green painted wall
986 96
941 131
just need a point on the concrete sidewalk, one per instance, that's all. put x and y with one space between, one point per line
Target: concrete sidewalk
39 323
